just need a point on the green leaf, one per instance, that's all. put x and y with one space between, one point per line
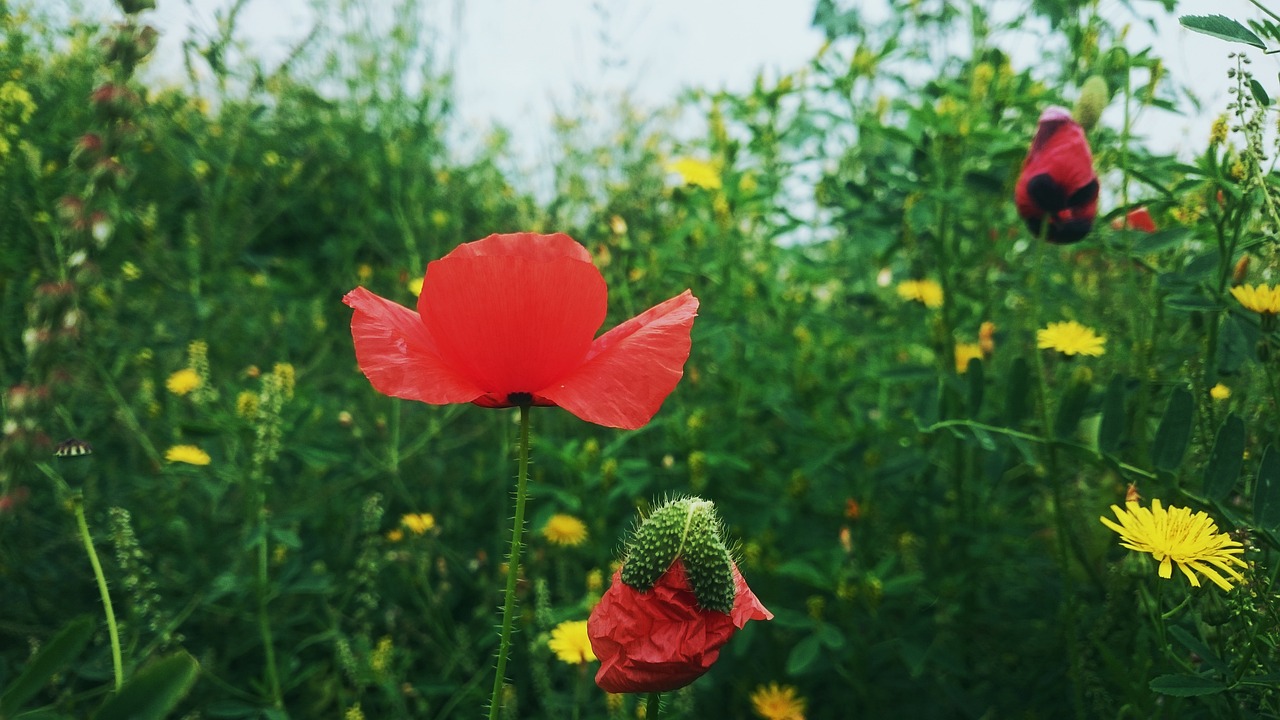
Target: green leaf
1194 644
1259 92
977 386
1174 433
52 658
804 655
1111 429
154 691
1226 459
1186 685
1070 409
1223 28
1266 491
1016 406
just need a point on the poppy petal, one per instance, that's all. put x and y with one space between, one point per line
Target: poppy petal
398 355
513 313
632 368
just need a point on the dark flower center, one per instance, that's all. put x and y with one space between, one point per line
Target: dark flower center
520 399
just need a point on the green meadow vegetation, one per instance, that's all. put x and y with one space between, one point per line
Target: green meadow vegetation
909 455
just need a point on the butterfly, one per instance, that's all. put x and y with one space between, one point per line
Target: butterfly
72 447
1058 186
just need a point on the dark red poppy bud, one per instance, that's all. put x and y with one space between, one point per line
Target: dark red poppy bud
1057 190
70 209
676 600
87 150
114 100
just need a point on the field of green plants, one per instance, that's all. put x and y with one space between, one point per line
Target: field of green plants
966 471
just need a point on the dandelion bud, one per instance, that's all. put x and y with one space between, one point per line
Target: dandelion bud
1094 97
1241 269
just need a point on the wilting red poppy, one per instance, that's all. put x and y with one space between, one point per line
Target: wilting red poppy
1137 219
1058 186
661 640
511 320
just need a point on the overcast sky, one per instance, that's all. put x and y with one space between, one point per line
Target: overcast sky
516 60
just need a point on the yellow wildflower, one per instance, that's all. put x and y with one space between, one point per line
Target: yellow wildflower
1175 535
415 286
777 702
966 352
926 291
183 381
1219 392
189 454
1262 299
696 172
564 529
395 536
418 523
1070 338
570 643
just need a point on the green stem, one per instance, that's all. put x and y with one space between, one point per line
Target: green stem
513 567
264 620
117 663
653 708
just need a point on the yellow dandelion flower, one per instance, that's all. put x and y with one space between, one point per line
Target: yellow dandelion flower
364 271
927 292
1070 338
395 536
564 529
183 381
189 454
1263 299
418 523
696 172
570 643
777 702
1219 392
966 352
1175 535
415 286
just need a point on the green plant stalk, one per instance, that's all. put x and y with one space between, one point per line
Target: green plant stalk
117 663
653 708
513 567
1055 484
264 620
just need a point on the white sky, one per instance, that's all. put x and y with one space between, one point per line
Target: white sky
517 60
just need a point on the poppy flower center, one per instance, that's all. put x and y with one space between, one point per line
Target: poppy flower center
520 399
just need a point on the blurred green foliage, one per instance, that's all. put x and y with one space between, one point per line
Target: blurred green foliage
926 534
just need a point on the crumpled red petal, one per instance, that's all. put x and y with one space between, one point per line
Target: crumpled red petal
399 356
630 370
514 313
661 640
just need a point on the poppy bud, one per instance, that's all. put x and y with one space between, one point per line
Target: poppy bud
1094 97
87 151
676 600
1057 190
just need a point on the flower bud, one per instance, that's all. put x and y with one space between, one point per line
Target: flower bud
87 151
1094 97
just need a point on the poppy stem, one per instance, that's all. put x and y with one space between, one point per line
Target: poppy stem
513 567
653 708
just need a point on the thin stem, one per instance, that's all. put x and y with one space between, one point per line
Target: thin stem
117 663
513 567
653 708
264 620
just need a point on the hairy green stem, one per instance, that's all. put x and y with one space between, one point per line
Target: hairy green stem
653 708
117 663
513 568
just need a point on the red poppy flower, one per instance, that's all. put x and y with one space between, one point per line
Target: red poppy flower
1058 186
1137 219
661 640
511 320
